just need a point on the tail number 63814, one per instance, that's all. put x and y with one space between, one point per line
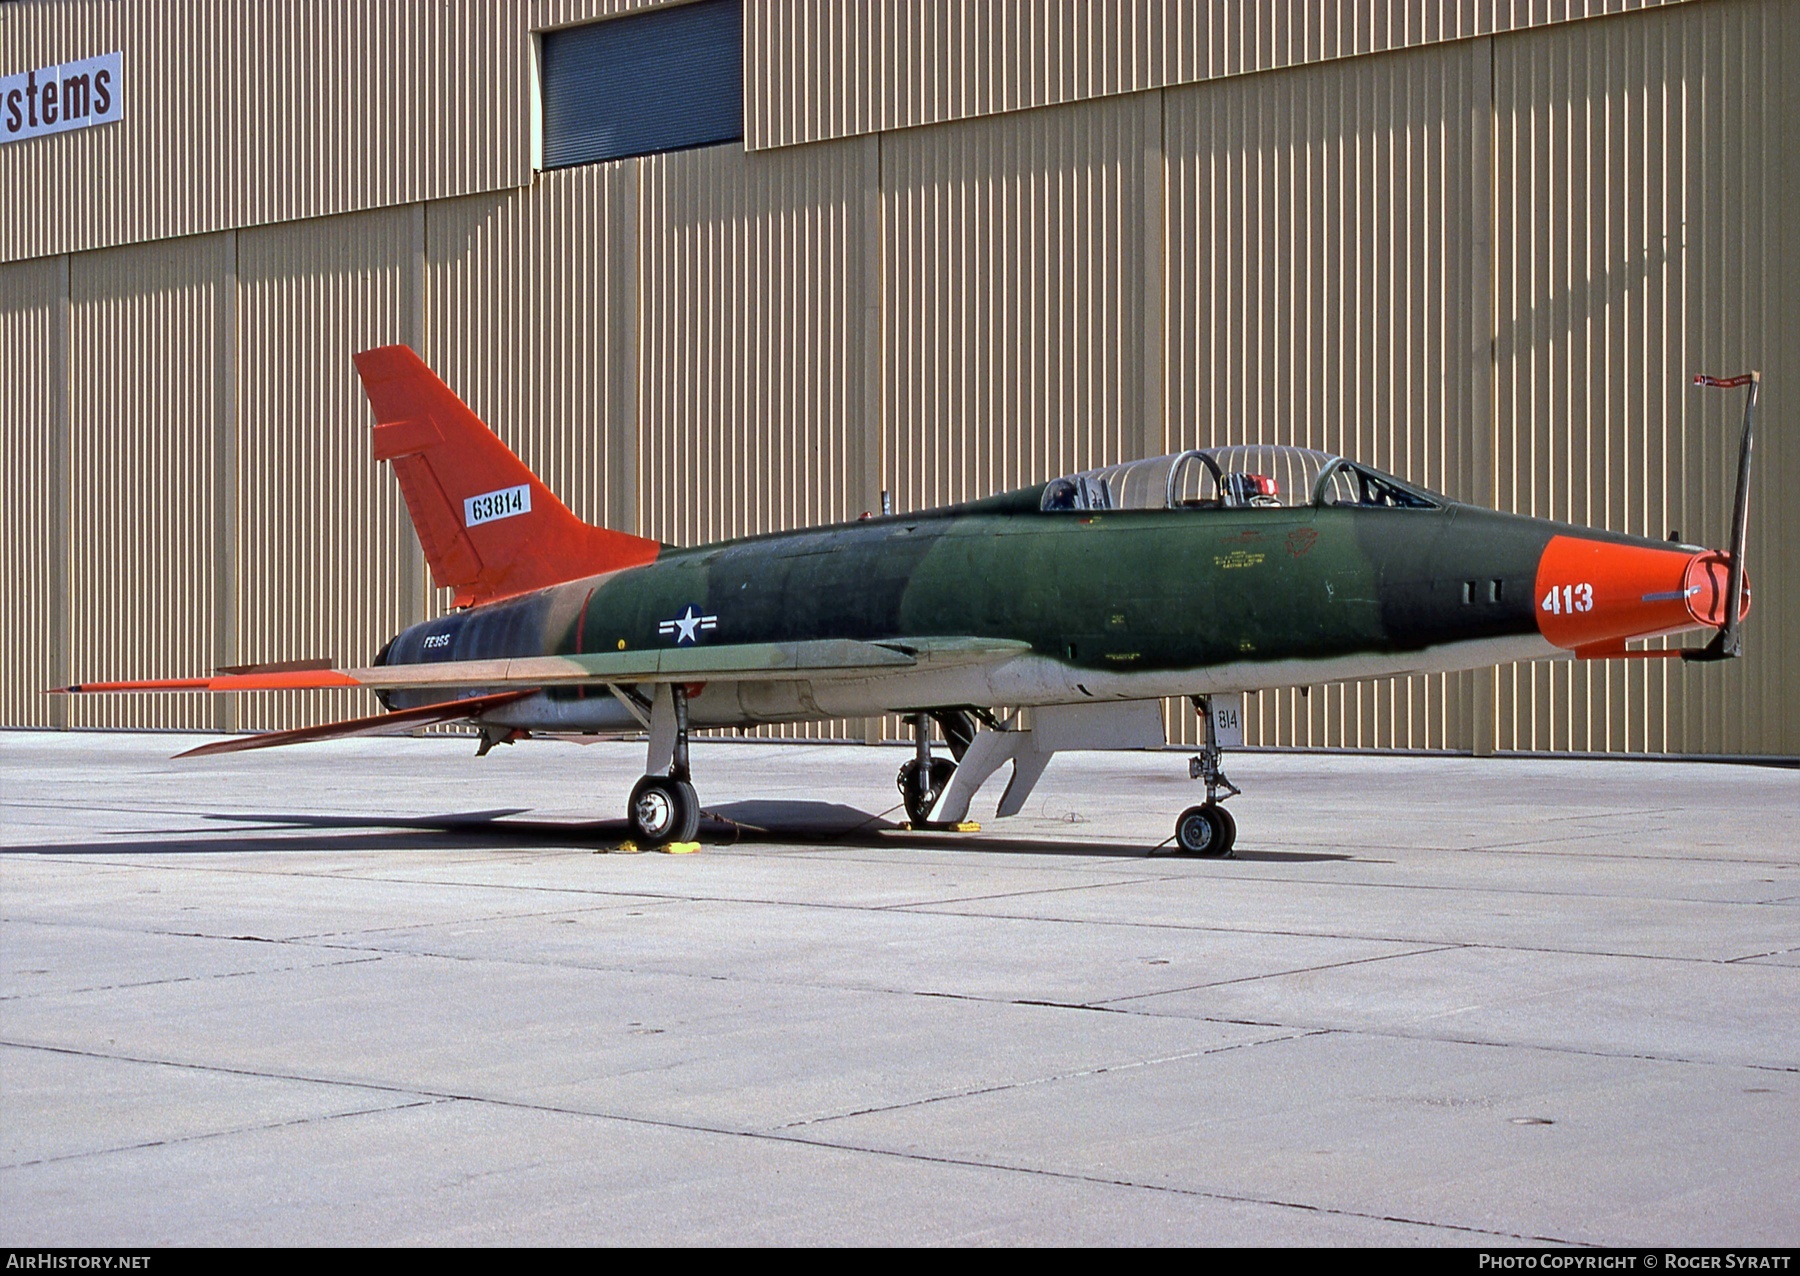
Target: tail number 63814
1568 598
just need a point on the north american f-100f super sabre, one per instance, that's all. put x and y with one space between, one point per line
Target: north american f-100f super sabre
1078 605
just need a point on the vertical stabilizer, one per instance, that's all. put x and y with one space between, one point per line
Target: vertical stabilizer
489 527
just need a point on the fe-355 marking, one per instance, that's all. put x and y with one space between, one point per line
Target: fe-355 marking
508 502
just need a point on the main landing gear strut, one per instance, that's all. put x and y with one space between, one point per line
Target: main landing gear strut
1208 829
664 807
923 779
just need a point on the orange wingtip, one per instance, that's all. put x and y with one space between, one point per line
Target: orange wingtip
289 680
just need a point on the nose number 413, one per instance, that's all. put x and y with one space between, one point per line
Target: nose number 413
1568 598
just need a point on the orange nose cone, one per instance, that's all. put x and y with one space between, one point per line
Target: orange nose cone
1592 592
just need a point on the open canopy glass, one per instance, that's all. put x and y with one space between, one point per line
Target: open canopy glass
1253 476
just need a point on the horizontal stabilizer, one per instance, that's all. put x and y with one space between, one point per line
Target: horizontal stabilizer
430 715
267 680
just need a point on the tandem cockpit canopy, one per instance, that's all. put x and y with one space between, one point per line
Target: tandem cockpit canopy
1251 476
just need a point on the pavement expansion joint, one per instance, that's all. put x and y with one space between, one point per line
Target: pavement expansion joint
1197 1193
1420 942
1285 973
1299 1030
206 1135
1072 1074
327 937
264 1074
1532 850
157 983
923 905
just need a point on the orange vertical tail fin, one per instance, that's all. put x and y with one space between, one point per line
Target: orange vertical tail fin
489 527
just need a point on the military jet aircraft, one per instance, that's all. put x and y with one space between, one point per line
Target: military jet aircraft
1078 605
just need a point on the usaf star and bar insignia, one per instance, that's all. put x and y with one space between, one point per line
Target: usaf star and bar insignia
688 626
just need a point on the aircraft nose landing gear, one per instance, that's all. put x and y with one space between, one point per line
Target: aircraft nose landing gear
1208 829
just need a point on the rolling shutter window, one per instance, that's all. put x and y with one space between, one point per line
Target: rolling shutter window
658 81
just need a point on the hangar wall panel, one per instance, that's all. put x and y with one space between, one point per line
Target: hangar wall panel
242 114
141 406
1014 300
341 577
819 69
544 14
372 103
34 476
1645 172
1324 291
168 167
529 299
750 393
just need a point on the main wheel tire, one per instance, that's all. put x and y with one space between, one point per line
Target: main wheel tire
1205 831
664 810
919 798
1230 844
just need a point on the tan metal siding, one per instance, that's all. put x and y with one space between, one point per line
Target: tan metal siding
141 463
167 168
750 372
528 301
326 557
31 531
371 104
239 115
542 15
821 69
1320 285
1645 178
1014 301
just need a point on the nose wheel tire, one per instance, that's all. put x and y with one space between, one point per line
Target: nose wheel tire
921 797
1207 831
663 810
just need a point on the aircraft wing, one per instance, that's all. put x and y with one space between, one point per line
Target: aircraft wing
820 659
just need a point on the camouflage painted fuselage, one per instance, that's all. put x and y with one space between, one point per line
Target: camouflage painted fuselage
1114 605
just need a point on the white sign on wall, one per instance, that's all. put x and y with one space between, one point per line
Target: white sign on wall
68 95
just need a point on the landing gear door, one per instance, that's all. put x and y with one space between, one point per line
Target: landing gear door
1124 724
1228 721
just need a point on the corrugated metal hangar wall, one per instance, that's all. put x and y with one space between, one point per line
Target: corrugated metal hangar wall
963 247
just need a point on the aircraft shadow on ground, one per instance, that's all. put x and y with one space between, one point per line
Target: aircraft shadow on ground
825 825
